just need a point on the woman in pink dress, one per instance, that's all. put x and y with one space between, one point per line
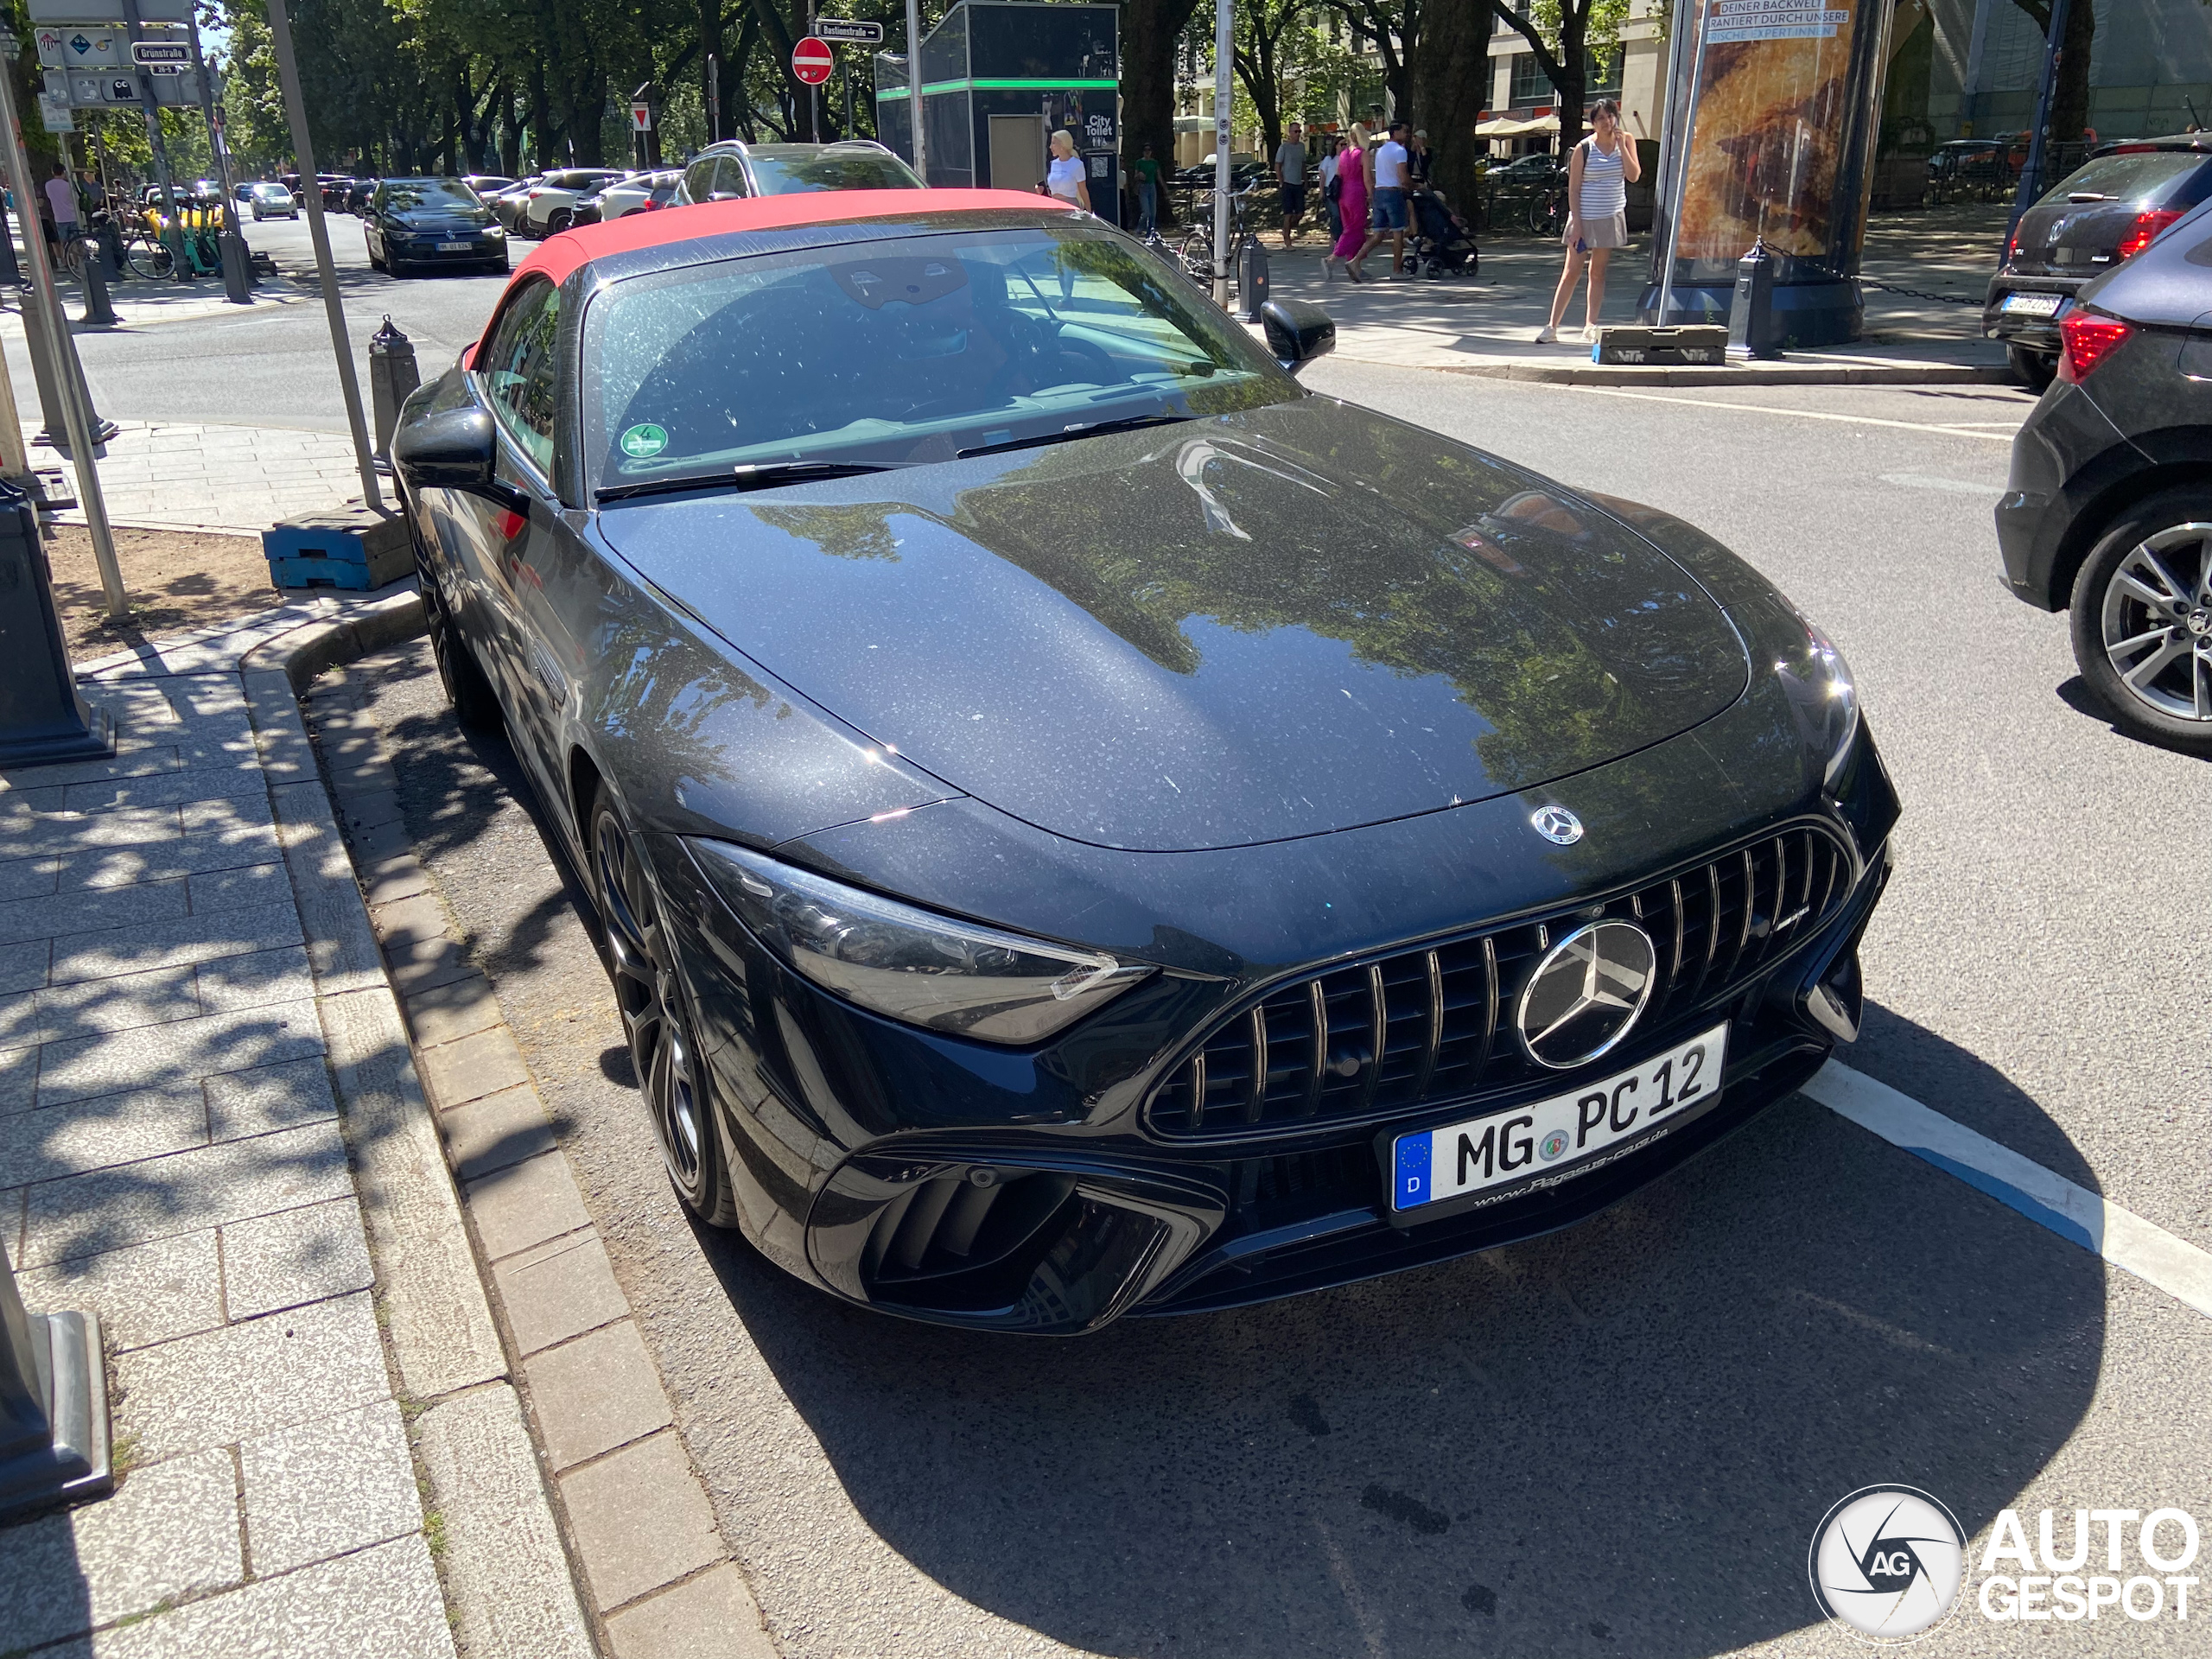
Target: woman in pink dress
1352 169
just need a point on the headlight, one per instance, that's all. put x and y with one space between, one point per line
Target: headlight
1822 697
926 970
493 233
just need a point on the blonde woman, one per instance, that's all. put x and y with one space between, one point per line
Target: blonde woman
1063 178
1603 166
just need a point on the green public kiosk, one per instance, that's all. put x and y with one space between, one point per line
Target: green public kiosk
998 78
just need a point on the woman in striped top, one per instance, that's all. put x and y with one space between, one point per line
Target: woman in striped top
1604 164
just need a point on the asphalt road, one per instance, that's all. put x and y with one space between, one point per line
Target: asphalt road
265 365
1617 1440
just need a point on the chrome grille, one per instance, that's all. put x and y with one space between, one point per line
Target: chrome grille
1434 1024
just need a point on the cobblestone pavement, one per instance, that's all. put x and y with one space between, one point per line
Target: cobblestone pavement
173 475
200 1078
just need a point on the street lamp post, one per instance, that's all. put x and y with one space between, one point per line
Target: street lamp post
349 384
1224 56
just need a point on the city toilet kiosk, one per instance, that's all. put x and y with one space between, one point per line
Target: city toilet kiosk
998 78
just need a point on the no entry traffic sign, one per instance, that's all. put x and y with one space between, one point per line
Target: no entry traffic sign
811 60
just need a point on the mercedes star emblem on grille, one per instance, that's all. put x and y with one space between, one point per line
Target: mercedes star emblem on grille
1556 823
1585 994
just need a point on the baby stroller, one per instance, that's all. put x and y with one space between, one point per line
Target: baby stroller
1443 243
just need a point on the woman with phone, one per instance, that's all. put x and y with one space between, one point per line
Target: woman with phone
1598 174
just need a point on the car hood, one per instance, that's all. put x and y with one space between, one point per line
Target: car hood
456 219
1279 623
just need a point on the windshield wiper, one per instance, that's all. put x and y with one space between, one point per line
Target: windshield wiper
1068 434
767 475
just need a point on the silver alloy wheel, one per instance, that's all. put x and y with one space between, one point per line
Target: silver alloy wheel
2157 622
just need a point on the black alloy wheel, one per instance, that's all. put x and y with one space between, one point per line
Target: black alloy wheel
647 991
475 703
2142 620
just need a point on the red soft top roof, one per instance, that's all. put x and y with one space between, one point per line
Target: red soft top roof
558 256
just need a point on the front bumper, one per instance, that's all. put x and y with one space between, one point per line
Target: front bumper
920 1176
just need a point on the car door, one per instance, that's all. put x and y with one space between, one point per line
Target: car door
516 378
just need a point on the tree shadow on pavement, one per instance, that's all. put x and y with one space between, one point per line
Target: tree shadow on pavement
1617 1439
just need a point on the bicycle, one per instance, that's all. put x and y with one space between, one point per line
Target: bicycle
1548 210
1196 255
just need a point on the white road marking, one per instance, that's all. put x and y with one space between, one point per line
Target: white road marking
2075 1213
1954 485
1796 414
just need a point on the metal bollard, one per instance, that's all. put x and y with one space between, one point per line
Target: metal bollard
98 313
110 238
11 272
1752 331
1252 279
392 380
53 1423
238 268
43 718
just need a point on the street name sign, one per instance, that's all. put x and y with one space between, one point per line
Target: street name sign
156 54
849 31
812 61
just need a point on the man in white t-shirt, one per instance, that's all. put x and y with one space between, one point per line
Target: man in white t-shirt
1386 195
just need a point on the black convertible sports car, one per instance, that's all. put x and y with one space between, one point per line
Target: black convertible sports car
1083 825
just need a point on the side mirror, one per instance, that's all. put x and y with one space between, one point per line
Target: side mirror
1297 332
455 449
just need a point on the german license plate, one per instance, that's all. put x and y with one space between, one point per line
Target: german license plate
452 247
1560 1137
2033 305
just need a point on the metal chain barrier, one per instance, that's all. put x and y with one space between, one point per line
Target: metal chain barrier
1918 294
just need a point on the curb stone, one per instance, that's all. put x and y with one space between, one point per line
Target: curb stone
510 1588
659 1580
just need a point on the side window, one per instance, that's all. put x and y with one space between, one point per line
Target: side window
519 373
729 177
699 181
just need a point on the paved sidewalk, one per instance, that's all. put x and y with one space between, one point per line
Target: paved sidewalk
211 1134
1486 324
235 480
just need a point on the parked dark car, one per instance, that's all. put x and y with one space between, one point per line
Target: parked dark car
1245 170
1067 842
423 223
732 169
2108 511
507 206
2115 206
487 185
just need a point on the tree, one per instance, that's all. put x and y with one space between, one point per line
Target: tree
1393 29
1150 31
2070 93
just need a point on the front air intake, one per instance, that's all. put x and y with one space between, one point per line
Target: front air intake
969 1240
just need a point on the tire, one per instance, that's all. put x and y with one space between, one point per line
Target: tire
2035 369
2142 621
475 705
1196 255
560 221
376 259
649 992
149 258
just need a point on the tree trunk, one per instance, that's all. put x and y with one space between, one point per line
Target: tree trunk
2069 97
737 104
1575 65
1150 30
541 122
1449 76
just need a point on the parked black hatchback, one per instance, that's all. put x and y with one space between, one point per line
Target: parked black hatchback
412 224
2101 215
2109 507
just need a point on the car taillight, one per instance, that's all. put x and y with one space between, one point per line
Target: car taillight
2088 340
646 205
2149 227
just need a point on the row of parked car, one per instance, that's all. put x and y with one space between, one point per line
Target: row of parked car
418 224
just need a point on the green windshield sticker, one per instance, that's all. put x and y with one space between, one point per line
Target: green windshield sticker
643 442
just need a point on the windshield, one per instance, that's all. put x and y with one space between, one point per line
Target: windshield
407 195
790 171
908 349
2145 176
272 192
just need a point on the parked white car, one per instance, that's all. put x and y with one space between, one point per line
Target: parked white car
548 205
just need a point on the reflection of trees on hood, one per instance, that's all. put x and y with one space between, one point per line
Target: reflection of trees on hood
1553 623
